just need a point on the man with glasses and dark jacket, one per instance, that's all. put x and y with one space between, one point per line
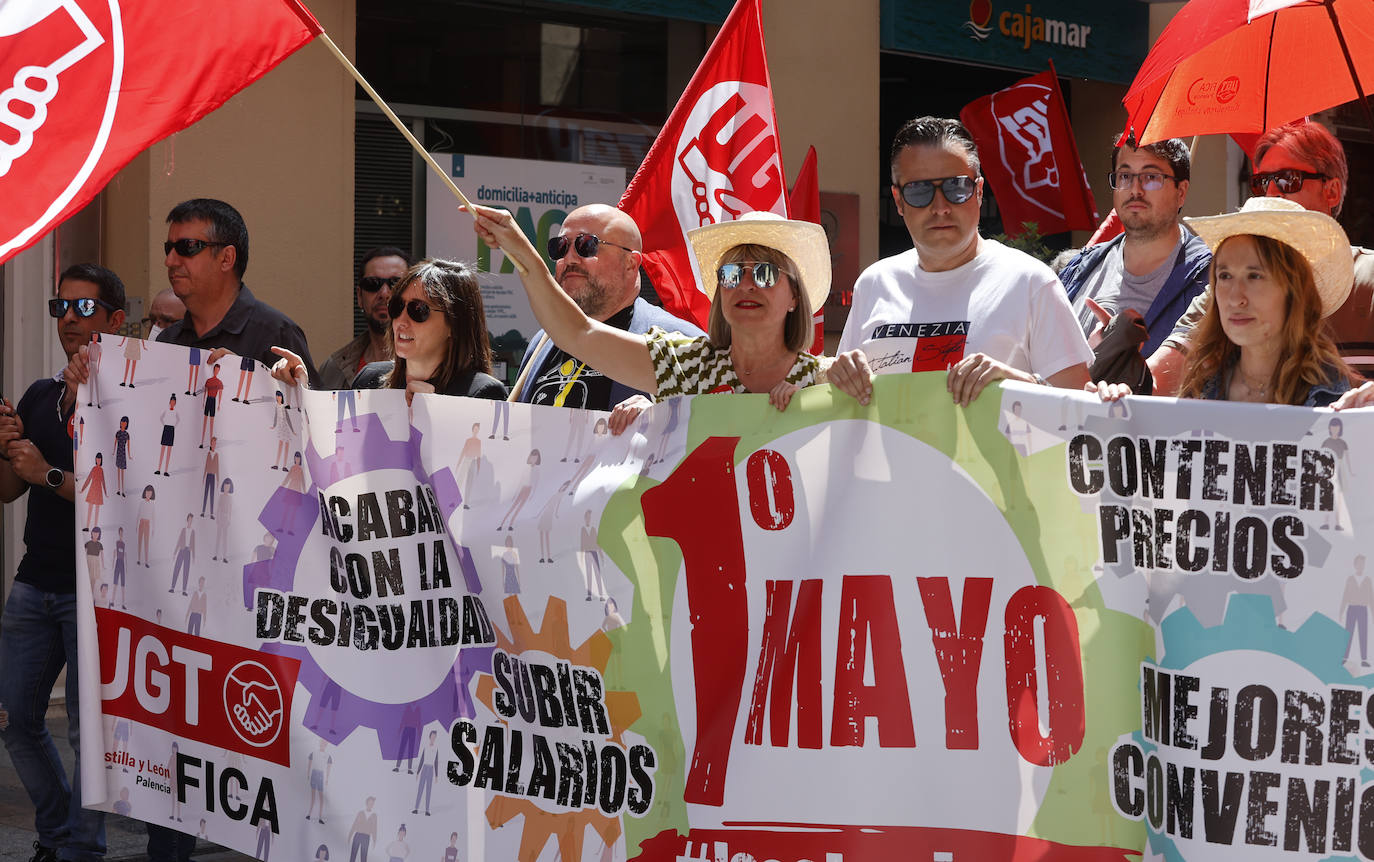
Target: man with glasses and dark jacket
596 256
38 630
382 268
956 301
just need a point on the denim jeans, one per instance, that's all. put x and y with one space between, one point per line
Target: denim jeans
37 637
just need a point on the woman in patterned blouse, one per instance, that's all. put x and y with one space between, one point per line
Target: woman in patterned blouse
767 275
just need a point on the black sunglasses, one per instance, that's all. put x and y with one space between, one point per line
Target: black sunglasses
919 193
1289 180
83 307
374 283
585 243
417 309
187 247
765 274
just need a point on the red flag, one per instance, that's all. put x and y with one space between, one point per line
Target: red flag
85 86
716 157
1030 158
804 204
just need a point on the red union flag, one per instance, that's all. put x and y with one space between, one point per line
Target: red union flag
1030 158
716 157
85 85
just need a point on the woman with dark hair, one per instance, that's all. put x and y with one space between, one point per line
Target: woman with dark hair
438 336
1278 271
764 275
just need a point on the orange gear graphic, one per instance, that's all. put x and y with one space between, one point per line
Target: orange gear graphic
622 707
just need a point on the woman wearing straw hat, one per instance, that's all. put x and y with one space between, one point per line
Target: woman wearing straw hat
1277 271
764 275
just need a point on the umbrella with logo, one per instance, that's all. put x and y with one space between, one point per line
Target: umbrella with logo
1246 66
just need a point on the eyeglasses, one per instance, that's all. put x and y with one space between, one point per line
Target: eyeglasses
585 243
187 247
374 283
1150 181
417 309
84 307
1289 180
919 193
765 274
162 320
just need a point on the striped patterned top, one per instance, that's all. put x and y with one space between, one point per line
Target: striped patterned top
684 365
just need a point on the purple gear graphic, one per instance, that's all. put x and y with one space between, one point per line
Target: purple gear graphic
398 726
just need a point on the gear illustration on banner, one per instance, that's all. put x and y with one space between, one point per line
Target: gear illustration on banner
335 712
1318 646
622 707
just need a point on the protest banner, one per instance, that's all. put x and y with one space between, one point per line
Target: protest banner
1037 628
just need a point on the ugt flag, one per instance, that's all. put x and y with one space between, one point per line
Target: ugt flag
88 85
716 157
1030 158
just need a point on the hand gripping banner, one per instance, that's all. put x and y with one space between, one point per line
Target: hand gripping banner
334 626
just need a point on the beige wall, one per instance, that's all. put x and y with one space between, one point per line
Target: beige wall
281 152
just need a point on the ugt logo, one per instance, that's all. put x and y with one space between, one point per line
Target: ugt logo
727 158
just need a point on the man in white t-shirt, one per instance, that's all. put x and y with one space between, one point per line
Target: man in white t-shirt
956 301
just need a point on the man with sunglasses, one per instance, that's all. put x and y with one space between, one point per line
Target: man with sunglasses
1156 267
956 301
596 258
1303 162
382 268
38 630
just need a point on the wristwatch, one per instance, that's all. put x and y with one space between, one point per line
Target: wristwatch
55 477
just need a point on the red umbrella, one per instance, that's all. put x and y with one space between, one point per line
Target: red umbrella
1246 66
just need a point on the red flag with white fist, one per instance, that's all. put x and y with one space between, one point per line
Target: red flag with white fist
86 85
716 158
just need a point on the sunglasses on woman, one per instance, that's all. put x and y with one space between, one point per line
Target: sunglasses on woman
584 243
83 307
417 309
765 274
957 190
1289 181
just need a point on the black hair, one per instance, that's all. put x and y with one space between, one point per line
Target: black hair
109 288
1174 151
933 132
226 225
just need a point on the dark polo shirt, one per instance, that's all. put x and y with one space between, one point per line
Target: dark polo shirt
250 328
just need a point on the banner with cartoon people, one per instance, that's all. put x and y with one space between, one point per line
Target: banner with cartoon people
334 626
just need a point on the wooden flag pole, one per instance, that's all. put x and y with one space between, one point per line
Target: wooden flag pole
401 127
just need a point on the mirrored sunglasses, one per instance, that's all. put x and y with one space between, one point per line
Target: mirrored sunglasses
1289 181
186 247
957 190
417 309
374 283
765 274
83 307
584 243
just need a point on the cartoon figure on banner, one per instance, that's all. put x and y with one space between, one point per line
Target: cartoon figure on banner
281 422
429 770
295 482
321 853
363 832
471 455
1356 603
172 770
329 700
123 454
202 833
409 745
599 431
214 391
523 494
319 765
500 411
196 610
1018 431
226 503
577 435
1335 443
209 476
266 550
124 807
591 559
451 851
264 848
93 362
348 402
510 567
95 558
120 742
193 371
613 619
95 490
169 435
147 507
547 514
245 379
133 351
398 850
674 413
119 577
185 555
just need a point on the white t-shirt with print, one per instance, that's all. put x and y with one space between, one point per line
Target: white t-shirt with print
1003 303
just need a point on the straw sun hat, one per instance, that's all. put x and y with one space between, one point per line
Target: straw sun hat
1316 236
802 241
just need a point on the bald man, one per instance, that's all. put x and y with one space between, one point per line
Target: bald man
596 261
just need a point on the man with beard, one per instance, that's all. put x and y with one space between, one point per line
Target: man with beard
596 256
382 268
1156 267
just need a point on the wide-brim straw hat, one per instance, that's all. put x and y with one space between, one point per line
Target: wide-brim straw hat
1316 236
802 241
